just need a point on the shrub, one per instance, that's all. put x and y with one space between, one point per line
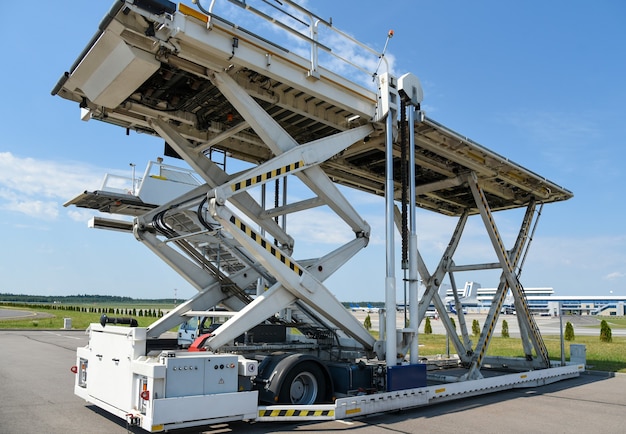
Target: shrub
475 327
453 323
428 328
505 329
367 323
569 332
605 332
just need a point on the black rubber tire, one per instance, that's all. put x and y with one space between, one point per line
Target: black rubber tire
303 385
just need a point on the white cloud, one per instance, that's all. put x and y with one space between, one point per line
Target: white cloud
614 275
47 210
38 188
80 215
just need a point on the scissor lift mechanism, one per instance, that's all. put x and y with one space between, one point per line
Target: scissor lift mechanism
203 83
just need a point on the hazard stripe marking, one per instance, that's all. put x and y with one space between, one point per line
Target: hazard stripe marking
296 413
266 245
266 176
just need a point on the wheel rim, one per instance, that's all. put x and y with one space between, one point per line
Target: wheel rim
303 389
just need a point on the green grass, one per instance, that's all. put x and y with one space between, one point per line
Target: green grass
601 356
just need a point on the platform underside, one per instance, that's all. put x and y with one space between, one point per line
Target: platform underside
112 203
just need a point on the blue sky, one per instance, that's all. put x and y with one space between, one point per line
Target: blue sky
541 83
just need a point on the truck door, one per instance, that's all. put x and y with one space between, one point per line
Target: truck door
188 332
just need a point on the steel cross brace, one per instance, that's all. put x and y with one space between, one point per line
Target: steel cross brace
211 295
292 161
294 283
214 176
507 269
498 301
467 354
210 288
459 309
279 142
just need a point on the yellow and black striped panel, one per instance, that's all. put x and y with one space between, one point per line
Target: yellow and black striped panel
296 413
275 251
267 176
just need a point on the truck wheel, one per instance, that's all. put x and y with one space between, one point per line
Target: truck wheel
304 385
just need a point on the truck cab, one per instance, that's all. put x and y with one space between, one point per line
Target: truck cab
198 325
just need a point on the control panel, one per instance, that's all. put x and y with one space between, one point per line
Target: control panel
200 375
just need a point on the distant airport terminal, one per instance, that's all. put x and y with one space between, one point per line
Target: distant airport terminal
541 301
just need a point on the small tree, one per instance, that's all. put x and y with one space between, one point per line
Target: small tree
428 328
453 323
475 327
605 332
569 332
367 323
505 329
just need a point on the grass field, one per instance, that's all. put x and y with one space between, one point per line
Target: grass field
601 356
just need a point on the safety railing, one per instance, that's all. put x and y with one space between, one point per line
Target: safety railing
305 27
156 169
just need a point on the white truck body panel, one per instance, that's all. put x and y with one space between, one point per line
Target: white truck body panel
183 387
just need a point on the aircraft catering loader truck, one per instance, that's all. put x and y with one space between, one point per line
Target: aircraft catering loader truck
213 83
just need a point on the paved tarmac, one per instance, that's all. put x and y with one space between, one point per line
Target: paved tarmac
36 390
22 314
